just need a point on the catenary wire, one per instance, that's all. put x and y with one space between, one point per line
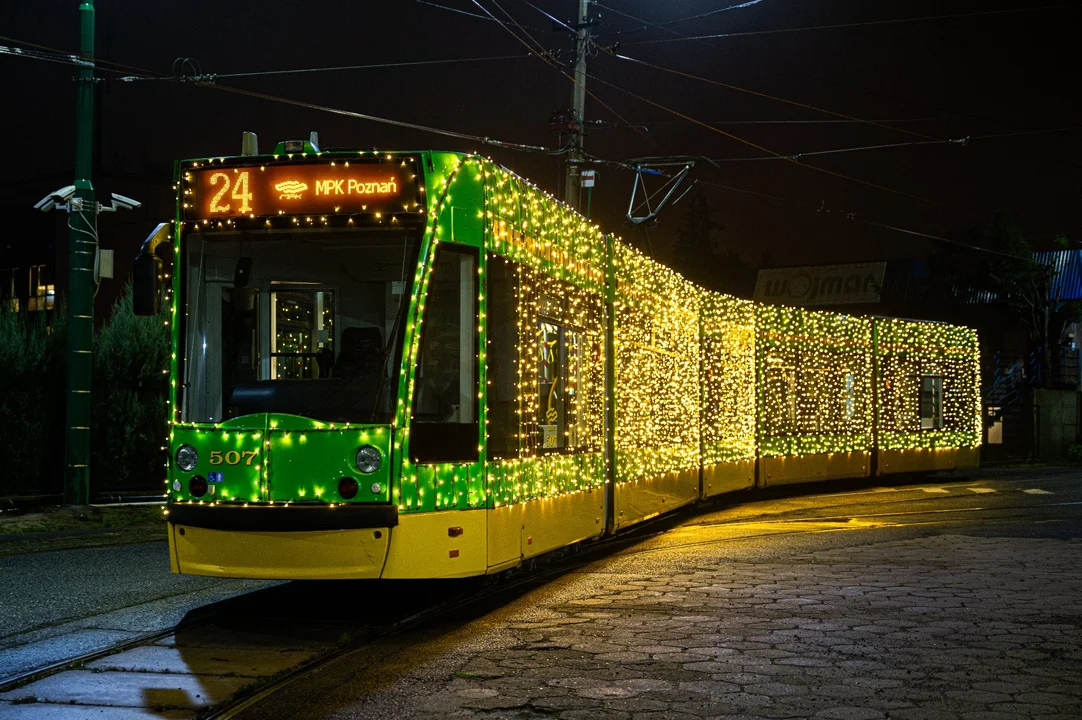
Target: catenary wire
817 209
69 59
467 13
767 96
211 77
484 140
800 122
866 23
963 141
544 56
766 150
760 147
729 86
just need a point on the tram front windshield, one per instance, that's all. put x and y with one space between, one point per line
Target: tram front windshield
304 323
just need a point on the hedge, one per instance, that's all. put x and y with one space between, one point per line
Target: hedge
128 411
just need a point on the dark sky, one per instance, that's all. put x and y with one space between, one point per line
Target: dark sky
934 79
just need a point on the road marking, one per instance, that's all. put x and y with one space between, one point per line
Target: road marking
936 490
981 491
1036 491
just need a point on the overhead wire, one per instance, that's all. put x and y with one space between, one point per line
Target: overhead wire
729 86
925 18
465 12
767 96
822 121
548 60
1057 160
68 59
963 141
851 217
212 77
749 143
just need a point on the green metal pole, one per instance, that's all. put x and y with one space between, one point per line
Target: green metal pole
82 248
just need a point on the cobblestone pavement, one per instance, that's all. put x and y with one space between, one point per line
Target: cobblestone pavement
924 628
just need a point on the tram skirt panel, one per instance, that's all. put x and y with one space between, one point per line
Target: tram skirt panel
648 497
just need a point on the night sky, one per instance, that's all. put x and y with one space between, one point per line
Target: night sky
938 79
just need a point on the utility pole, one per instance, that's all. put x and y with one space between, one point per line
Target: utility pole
578 105
82 249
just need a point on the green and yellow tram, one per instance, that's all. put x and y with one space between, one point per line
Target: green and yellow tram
419 365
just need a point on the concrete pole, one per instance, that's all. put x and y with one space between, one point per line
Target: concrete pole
82 249
578 105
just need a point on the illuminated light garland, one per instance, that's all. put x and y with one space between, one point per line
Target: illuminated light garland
657 368
908 351
558 264
681 354
814 382
728 381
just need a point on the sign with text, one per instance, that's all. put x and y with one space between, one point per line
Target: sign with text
822 285
312 189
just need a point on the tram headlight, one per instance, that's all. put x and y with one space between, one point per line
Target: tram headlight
187 458
368 459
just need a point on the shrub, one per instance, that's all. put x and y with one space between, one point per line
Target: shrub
128 411
31 403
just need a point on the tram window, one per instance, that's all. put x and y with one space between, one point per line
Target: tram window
931 402
850 396
302 333
779 386
502 357
557 385
444 427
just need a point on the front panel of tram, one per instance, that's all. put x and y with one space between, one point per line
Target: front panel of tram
294 280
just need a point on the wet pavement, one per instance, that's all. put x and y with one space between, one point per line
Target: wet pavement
955 600
61 604
960 598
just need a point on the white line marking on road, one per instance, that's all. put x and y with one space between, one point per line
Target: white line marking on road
981 491
1036 491
936 490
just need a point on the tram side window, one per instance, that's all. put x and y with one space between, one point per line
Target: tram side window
850 397
558 365
444 427
781 401
502 356
931 402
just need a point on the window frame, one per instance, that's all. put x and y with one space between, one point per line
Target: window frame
937 419
470 451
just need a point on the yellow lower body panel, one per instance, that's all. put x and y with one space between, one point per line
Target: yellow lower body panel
648 497
505 536
438 545
728 476
550 523
813 468
927 460
316 554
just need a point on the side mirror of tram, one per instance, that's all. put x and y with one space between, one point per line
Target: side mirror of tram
148 273
147 277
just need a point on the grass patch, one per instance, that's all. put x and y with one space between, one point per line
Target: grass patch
61 519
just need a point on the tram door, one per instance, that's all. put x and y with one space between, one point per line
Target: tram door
444 435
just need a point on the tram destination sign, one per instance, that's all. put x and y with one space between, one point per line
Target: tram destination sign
342 188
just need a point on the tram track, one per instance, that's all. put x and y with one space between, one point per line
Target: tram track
537 572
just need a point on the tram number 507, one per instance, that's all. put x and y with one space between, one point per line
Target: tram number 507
233 457
239 192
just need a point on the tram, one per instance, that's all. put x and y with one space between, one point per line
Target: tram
419 365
